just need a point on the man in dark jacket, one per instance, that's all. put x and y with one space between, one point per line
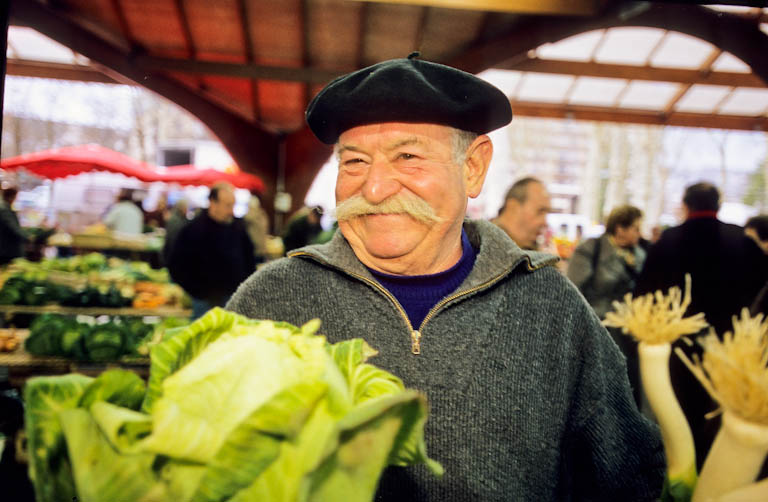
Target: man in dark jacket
727 271
213 254
12 236
528 395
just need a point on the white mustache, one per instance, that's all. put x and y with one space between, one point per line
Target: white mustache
415 207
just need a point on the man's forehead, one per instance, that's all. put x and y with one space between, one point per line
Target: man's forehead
390 136
391 144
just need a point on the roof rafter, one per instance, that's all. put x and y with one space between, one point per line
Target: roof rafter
626 115
122 21
242 11
420 28
588 69
556 7
362 24
256 71
304 29
632 72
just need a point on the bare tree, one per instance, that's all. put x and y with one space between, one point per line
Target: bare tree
720 139
652 147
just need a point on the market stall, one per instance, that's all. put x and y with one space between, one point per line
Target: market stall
80 235
84 314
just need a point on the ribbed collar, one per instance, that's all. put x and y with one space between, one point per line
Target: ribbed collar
417 294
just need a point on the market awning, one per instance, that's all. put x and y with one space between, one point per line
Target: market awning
74 160
191 175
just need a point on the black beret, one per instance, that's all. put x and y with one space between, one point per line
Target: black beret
407 90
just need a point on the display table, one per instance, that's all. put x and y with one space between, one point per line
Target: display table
21 365
95 311
143 247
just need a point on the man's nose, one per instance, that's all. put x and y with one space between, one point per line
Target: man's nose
381 182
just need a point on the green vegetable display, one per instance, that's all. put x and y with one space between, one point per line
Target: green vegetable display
64 336
235 410
91 280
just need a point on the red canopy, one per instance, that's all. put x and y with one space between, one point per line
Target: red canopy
191 175
74 160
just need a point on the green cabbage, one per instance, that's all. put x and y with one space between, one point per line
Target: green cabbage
234 410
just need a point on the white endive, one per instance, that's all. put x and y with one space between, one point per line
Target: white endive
734 371
656 320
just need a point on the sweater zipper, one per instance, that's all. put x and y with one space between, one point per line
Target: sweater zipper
416 334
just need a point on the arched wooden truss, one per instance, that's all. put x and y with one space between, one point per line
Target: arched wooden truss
247 68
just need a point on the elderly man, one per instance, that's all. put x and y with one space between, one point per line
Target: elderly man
528 394
524 213
213 253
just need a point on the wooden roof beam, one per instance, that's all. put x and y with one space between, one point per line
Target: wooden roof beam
632 72
362 26
631 116
304 28
588 69
248 50
61 71
253 71
552 7
122 21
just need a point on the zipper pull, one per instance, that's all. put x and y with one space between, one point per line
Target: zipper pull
415 342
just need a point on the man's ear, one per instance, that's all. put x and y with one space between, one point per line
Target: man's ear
478 159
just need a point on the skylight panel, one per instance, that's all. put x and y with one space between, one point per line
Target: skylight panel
702 98
596 91
31 45
543 87
744 101
506 80
648 95
628 45
681 51
576 48
729 62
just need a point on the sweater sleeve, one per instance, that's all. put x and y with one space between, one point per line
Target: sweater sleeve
615 452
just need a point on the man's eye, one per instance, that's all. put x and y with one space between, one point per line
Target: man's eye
406 156
352 162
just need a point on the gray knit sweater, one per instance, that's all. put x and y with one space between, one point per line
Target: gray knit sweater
528 393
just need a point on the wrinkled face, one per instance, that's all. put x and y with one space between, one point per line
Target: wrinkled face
527 220
628 236
221 210
402 171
